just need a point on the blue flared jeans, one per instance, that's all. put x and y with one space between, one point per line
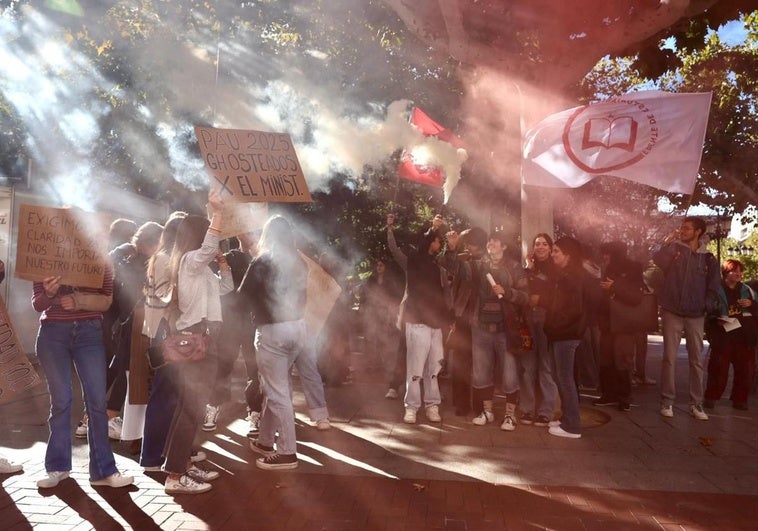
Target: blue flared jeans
537 370
59 343
563 372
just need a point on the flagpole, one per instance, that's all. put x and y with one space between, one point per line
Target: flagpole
397 171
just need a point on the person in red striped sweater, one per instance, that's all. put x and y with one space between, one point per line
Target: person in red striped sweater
71 331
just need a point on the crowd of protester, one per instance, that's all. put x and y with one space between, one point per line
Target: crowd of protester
535 334
467 308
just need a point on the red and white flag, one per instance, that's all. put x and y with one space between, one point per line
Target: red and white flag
652 137
436 161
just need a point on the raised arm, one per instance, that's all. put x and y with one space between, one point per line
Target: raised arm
397 254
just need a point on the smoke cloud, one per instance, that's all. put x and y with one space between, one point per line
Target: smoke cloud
58 93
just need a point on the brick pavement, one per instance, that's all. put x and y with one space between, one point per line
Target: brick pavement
372 472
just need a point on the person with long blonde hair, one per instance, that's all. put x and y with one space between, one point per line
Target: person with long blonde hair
274 288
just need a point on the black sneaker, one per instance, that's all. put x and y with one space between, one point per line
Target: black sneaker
277 462
262 449
527 419
605 401
541 421
625 406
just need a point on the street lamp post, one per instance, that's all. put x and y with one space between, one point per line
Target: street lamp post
718 233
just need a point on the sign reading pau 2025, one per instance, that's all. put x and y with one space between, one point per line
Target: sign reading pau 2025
250 166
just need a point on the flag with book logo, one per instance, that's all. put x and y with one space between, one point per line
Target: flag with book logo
651 137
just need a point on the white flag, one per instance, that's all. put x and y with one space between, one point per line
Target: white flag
652 137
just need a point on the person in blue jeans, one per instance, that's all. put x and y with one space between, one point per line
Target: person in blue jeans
71 332
274 289
162 400
538 390
196 299
565 324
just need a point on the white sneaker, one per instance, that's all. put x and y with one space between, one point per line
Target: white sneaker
198 456
410 416
485 417
509 423
115 480
204 476
697 412
185 485
6 467
52 479
560 432
323 425
81 428
667 411
114 428
433 414
554 423
391 394
211 415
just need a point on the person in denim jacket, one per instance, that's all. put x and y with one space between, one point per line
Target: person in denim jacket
690 287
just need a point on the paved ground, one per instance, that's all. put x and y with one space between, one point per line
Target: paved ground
632 470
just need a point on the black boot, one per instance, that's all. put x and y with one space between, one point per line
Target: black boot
607 376
624 387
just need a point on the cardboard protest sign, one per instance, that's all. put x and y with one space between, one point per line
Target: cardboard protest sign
239 218
16 372
252 166
61 242
323 291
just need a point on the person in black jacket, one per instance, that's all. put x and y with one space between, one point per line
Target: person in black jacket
235 337
424 313
622 282
538 392
565 323
274 289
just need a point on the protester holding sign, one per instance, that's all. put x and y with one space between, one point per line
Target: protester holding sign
6 466
275 288
196 297
162 400
71 331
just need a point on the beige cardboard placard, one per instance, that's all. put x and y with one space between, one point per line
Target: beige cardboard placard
323 291
249 166
61 242
239 218
16 372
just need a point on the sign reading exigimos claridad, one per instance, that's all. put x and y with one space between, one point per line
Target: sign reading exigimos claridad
252 166
62 242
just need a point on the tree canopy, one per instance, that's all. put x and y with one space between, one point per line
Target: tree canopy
110 90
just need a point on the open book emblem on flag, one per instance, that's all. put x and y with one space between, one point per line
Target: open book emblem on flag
593 142
649 137
610 132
